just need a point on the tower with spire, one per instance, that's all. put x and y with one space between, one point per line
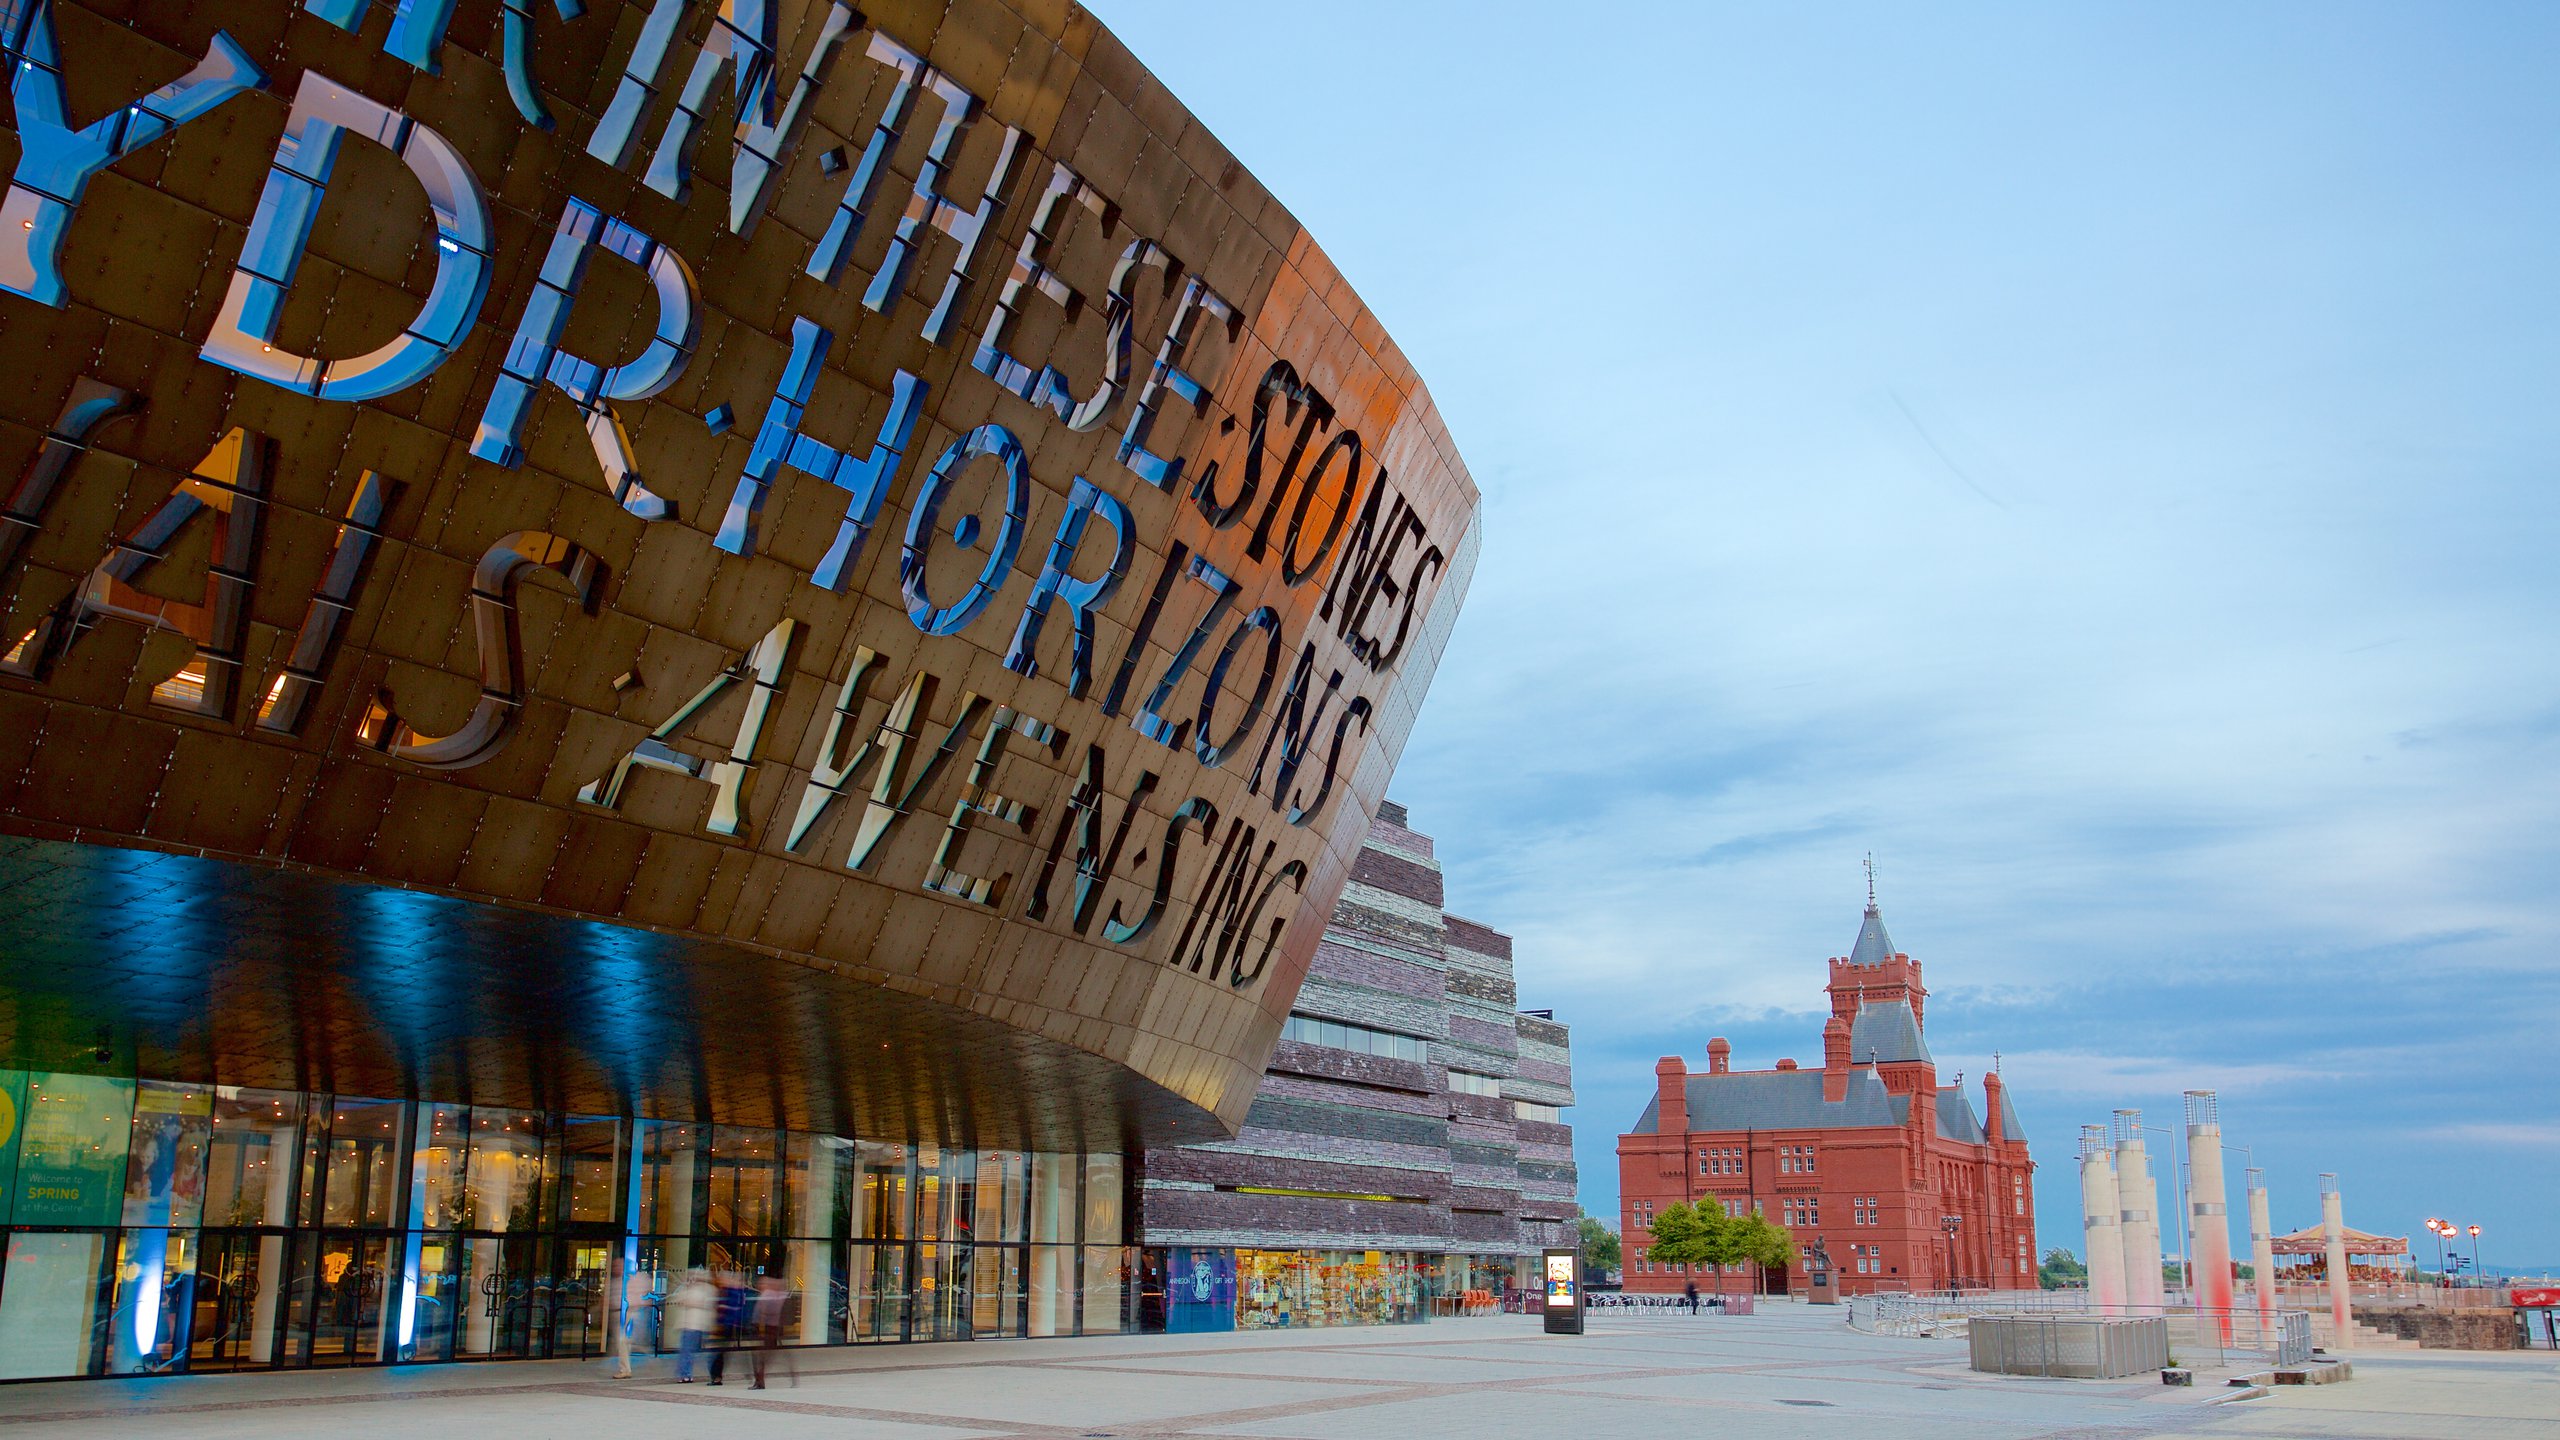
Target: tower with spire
1869 1156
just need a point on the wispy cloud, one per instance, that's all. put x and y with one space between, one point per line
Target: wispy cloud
2215 750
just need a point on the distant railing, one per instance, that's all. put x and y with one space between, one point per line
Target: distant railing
1639 1306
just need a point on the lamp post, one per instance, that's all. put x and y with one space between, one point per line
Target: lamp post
2439 1229
1950 1223
2475 1249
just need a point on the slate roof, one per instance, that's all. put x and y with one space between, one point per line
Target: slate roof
1886 1031
2010 1129
1779 1100
1874 947
1956 1119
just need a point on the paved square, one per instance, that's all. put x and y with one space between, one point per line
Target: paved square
1791 1371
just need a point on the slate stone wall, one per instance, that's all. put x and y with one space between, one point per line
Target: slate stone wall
1382 1153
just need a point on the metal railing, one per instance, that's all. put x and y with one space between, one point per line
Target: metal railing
1641 1306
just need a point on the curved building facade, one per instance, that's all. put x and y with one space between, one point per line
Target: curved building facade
606 605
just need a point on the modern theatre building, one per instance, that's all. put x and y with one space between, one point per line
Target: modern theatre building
744 634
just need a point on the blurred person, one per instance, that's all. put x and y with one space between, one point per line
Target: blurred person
733 1318
695 1304
772 1308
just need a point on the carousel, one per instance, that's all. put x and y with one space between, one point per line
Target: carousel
2303 1256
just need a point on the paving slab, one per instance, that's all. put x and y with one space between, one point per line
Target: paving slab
1788 1372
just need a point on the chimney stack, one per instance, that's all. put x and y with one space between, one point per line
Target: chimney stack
1786 1064
1835 1060
1719 1056
1671 1096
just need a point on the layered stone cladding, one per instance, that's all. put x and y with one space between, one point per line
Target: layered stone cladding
1868 1156
1376 1152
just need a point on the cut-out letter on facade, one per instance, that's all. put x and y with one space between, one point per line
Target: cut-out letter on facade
763 670
306 666
56 162
535 357
502 569
994 442
1059 582
229 485
324 114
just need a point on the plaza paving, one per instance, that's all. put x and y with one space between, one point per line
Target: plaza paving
1790 1371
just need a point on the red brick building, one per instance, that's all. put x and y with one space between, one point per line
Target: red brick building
1899 1179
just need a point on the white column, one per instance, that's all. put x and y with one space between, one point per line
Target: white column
2101 1221
2262 1250
2138 1197
813 1260
2333 1226
2208 1218
281 1160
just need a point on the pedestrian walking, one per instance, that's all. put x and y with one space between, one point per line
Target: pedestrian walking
1693 1297
733 1319
772 1307
696 1304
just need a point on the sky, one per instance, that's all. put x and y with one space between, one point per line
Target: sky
2098 458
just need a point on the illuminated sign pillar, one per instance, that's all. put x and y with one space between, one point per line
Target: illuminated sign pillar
2139 1196
2208 1218
1564 1292
2333 1226
2102 1221
2262 1249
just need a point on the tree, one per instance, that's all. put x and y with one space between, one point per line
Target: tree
2061 1268
1599 1245
1765 1243
1686 1234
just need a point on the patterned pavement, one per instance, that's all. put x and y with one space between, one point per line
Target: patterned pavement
1792 1371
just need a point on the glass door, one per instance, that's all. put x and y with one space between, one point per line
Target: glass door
341 1288
239 1296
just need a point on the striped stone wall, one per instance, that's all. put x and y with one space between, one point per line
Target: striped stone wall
1377 1152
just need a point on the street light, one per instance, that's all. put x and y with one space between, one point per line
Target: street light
2475 1249
2440 1230
1950 1223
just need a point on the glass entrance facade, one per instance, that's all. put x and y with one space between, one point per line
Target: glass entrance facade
156 1227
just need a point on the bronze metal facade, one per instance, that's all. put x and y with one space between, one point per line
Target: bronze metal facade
858 569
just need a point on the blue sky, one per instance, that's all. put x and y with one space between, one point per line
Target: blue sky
2098 457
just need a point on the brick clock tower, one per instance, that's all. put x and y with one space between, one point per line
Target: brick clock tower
1900 1180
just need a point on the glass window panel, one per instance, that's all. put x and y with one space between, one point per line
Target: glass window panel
1053 1198
746 1181
164 1176
996 1305
249 1173
926 1219
71 1164
438 1177
959 1196
671 1176
505 1191
1052 1283
364 1157
1102 1199
48 1307
13 1114
435 1297
591 1169
879 1291
1106 1289
147 1326
884 1189
1003 1191
821 1182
